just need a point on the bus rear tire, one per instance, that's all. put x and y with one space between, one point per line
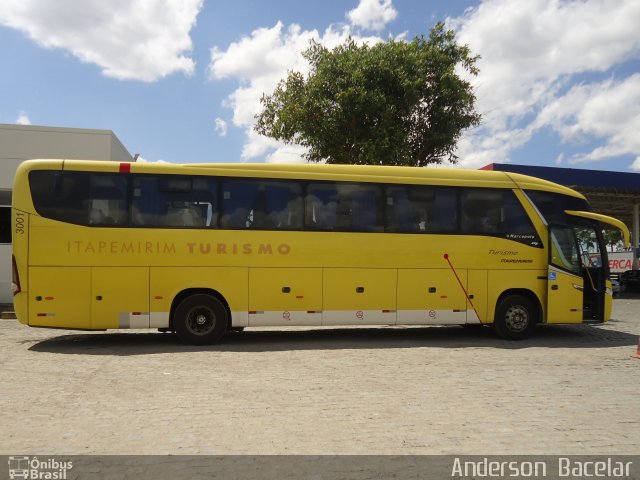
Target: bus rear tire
200 320
515 318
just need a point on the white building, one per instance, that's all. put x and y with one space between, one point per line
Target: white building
22 142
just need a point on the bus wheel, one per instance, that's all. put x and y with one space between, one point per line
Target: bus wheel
200 320
515 318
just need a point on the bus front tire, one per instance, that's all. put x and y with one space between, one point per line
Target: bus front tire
515 318
200 320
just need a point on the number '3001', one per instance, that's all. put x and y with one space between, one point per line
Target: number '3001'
19 223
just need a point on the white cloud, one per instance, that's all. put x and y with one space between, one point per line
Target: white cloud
287 154
608 111
128 39
531 53
372 14
23 119
141 159
259 62
221 127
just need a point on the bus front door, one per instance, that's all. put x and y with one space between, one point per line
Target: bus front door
598 296
594 274
565 285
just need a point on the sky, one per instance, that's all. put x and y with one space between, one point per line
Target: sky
180 80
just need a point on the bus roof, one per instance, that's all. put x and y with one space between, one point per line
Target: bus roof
361 173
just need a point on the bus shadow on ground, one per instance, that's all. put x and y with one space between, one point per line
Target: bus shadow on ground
134 343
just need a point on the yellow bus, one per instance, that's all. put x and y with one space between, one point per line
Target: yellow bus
202 249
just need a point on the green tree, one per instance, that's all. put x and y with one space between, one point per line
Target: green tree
612 237
393 103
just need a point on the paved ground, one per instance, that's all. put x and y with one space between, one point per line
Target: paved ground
568 390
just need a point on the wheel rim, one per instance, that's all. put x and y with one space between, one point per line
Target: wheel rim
201 320
516 318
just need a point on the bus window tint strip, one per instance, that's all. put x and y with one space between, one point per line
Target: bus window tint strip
180 201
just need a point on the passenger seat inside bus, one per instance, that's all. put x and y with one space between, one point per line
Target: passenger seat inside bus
96 216
184 215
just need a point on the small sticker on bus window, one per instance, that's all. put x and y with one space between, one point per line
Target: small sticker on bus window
553 275
227 195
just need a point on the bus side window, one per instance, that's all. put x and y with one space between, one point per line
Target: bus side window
108 200
81 198
344 207
238 203
365 209
174 201
184 214
564 252
515 219
146 202
480 211
204 201
69 200
552 205
412 209
262 204
399 210
283 205
445 211
322 206
421 209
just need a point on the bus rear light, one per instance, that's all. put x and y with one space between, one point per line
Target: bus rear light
125 168
15 278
